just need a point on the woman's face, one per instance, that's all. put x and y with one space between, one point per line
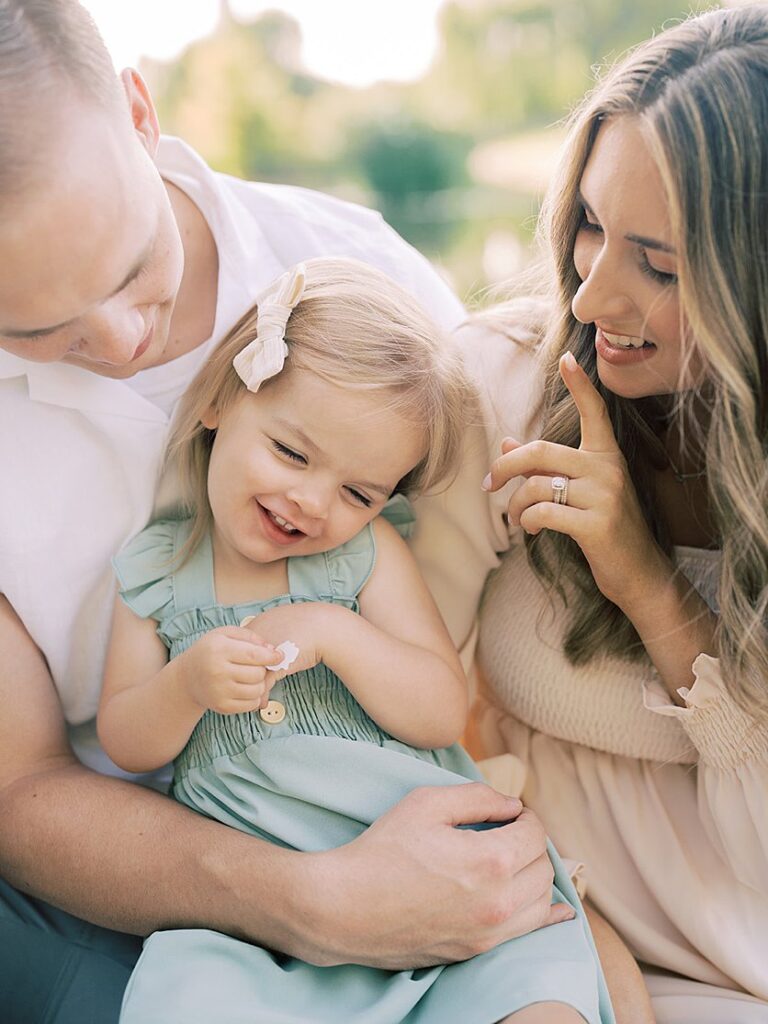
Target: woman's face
627 264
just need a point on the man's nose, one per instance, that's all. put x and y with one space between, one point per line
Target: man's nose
112 333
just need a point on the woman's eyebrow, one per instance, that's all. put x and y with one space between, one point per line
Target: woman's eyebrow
651 243
648 243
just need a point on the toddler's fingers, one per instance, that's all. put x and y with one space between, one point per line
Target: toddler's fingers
253 694
257 654
248 675
558 913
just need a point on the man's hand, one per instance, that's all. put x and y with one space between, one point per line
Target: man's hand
414 890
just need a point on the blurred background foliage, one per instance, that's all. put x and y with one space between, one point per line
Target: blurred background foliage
457 161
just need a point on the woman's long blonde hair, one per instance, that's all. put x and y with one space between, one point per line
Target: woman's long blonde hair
356 328
700 93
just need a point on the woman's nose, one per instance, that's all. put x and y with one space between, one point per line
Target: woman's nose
601 294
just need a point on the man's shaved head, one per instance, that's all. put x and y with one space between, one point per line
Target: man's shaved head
49 50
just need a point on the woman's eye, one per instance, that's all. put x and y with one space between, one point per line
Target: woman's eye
588 225
288 453
362 498
661 276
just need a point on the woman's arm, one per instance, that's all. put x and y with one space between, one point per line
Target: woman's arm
149 706
460 530
395 657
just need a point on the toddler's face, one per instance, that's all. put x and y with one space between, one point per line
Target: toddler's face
303 465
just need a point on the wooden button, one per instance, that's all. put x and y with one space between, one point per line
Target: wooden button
273 713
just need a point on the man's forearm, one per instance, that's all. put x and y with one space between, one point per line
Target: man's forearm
131 859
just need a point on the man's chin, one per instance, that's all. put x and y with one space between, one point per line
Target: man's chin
110 370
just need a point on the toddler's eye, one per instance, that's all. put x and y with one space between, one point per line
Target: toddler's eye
362 498
289 453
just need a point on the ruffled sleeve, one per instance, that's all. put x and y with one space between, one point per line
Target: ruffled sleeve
144 569
732 775
337 575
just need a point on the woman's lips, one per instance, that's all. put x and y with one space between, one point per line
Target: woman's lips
620 356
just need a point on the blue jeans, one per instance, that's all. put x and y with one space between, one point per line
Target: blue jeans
57 969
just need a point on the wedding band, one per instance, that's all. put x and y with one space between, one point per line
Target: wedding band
560 490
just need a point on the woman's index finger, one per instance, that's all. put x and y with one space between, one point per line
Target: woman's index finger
596 428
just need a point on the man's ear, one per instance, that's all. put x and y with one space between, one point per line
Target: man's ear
210 418
141 110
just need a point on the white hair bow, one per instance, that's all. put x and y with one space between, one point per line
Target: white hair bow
265 355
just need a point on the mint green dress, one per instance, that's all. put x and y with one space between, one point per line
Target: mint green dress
313 780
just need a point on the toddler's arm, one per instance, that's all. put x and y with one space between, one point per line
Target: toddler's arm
629 996
395 657
149 706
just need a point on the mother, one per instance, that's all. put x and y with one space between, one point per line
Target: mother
623 638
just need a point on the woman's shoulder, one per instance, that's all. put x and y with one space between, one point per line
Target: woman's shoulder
502 353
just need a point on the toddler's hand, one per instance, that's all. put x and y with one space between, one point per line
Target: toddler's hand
227 670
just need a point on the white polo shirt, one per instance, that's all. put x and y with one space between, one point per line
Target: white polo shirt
80 454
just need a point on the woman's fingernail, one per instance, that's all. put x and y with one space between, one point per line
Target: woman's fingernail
486 484
570 361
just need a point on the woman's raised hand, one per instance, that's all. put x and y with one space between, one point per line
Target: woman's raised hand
601 511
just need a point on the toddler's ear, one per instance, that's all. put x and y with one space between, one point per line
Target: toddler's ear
210 418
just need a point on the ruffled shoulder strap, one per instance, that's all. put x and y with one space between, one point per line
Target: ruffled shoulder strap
342 573
399 512
145 568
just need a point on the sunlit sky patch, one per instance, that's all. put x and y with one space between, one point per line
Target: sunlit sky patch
348 41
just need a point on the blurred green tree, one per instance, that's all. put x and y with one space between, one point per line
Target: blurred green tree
505 69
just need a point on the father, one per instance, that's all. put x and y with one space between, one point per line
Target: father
124 258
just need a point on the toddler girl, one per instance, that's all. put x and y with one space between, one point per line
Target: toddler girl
281 646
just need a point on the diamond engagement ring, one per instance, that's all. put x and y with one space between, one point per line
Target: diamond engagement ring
560 490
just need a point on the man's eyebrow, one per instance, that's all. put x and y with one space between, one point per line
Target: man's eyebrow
310 445
132 274
647 243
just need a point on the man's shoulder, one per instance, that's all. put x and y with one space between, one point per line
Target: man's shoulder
266 199
295 223
304 204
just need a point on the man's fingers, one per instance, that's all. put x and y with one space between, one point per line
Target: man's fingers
465 804
596 428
